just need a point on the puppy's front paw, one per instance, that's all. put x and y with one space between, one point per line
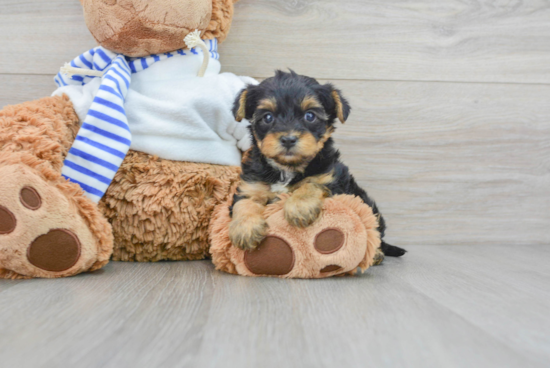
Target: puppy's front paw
302 212
247 233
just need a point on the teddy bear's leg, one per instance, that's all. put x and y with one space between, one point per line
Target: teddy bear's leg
161 209
48 228
343 239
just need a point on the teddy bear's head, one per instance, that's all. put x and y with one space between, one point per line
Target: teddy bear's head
145 27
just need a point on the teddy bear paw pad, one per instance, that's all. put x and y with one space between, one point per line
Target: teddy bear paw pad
7 221
273 257
331 268
30 198
56 251
329 241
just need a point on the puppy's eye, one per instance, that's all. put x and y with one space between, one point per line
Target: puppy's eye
310 117
268 118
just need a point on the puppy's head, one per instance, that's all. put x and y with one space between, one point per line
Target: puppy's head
291 116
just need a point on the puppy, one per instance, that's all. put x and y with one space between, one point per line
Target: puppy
291 120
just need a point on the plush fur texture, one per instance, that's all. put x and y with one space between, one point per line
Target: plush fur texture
345 213
42 130
141 28
161 209
34 139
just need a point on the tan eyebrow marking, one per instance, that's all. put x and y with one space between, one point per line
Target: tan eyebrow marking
310 102
268 104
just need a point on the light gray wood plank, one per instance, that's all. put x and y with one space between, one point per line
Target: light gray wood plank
447 40
343 322
18 88
126 313
450 40
40 36
455 306
487 286
452 163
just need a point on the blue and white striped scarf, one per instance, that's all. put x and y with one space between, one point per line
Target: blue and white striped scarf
104 137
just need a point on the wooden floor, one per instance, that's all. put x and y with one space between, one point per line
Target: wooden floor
452 306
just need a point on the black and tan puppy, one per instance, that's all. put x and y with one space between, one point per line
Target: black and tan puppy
292 118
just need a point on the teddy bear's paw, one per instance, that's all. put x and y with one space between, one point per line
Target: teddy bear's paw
246 233
302 213
290 256
41 232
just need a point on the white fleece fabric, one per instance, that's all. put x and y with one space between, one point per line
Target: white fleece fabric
176 115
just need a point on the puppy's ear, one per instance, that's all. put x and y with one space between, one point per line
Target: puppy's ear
239 106
342 107
246 102
335 104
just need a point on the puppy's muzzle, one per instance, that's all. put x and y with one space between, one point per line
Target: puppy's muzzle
288 141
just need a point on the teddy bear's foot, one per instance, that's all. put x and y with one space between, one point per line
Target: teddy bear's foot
48 228
317 255
342 240
319 251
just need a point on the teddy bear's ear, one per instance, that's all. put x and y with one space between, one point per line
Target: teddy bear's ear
333 101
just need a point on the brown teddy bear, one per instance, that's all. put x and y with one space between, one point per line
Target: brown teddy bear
157 199
135 150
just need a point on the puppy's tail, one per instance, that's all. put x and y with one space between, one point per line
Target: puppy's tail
391 250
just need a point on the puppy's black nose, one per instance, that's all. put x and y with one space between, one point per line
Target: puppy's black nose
289 141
